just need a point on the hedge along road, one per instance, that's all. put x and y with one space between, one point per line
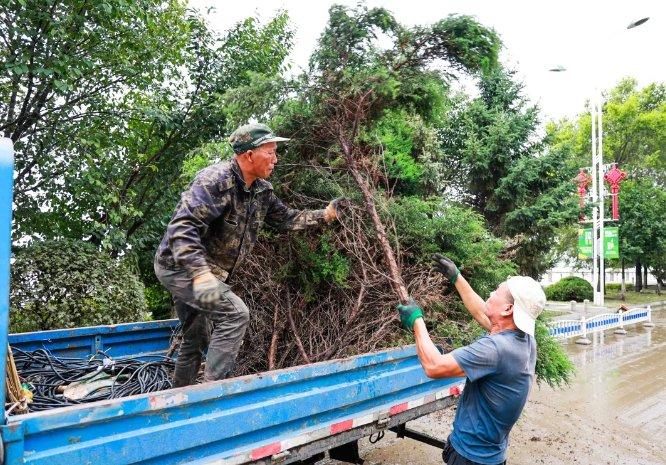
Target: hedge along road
614 412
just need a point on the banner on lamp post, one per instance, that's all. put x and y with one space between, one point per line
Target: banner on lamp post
611 243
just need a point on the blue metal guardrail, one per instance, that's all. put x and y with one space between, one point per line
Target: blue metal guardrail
232 421
564 329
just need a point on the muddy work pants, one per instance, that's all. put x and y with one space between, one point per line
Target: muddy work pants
220 328
452 457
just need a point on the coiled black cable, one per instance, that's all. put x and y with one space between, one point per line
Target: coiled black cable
46 376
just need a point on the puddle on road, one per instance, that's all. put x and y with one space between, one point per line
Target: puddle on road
623 377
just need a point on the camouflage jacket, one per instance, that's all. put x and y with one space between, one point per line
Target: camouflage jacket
218 218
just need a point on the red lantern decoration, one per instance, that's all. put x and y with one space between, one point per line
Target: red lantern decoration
583 179
613 177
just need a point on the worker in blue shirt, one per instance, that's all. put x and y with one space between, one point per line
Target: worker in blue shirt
499 367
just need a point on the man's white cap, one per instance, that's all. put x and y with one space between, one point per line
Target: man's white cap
528 301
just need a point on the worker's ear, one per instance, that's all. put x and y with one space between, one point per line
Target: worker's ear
249 154
508 311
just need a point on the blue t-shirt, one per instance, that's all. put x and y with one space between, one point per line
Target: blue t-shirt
500 370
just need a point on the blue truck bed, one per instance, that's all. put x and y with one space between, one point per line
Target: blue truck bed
278 416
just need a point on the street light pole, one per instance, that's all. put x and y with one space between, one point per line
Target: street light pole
595 203
598 191
598 194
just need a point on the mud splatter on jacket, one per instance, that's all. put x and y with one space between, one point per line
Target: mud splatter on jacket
218 218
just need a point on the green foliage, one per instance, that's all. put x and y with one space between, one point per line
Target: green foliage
425 95
473 45
251 47
486 136
158 301
634 123
553 366
458 333
499 165
347 43
634 136
67 284
115 106
569 288
424 227
642 225
201 157
395 137
538 193
319 263
102 158
73 70
262 95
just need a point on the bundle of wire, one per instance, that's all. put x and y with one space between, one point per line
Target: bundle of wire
47 375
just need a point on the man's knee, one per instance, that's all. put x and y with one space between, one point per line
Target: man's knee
242 314
231 309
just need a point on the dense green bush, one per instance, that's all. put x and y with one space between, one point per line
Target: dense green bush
67 284
570 288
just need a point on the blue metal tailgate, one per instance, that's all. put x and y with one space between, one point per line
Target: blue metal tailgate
237 420
127 339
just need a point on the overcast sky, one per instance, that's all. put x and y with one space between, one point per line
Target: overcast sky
589 38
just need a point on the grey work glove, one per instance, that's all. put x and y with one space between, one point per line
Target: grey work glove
207 290
335 209
446 267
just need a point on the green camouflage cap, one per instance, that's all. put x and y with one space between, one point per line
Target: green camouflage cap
251 136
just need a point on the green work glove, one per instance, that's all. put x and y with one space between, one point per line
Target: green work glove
207 290
409 314
446 267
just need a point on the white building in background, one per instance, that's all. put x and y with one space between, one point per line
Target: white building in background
562 270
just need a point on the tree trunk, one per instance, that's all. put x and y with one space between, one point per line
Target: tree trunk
277 328
394 271
645 276
639 277
623 286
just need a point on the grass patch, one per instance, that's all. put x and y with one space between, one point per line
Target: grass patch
554 313
634 298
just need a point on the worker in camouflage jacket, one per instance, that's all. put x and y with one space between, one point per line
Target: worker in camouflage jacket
211 233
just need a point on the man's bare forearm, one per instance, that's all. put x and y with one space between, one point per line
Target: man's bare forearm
425 348
434 364
474 304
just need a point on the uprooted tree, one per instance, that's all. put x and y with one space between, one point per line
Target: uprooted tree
355 83
363 122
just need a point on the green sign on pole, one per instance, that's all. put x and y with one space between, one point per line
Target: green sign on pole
585 250
611 243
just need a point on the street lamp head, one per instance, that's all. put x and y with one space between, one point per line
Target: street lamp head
557 69
638 23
